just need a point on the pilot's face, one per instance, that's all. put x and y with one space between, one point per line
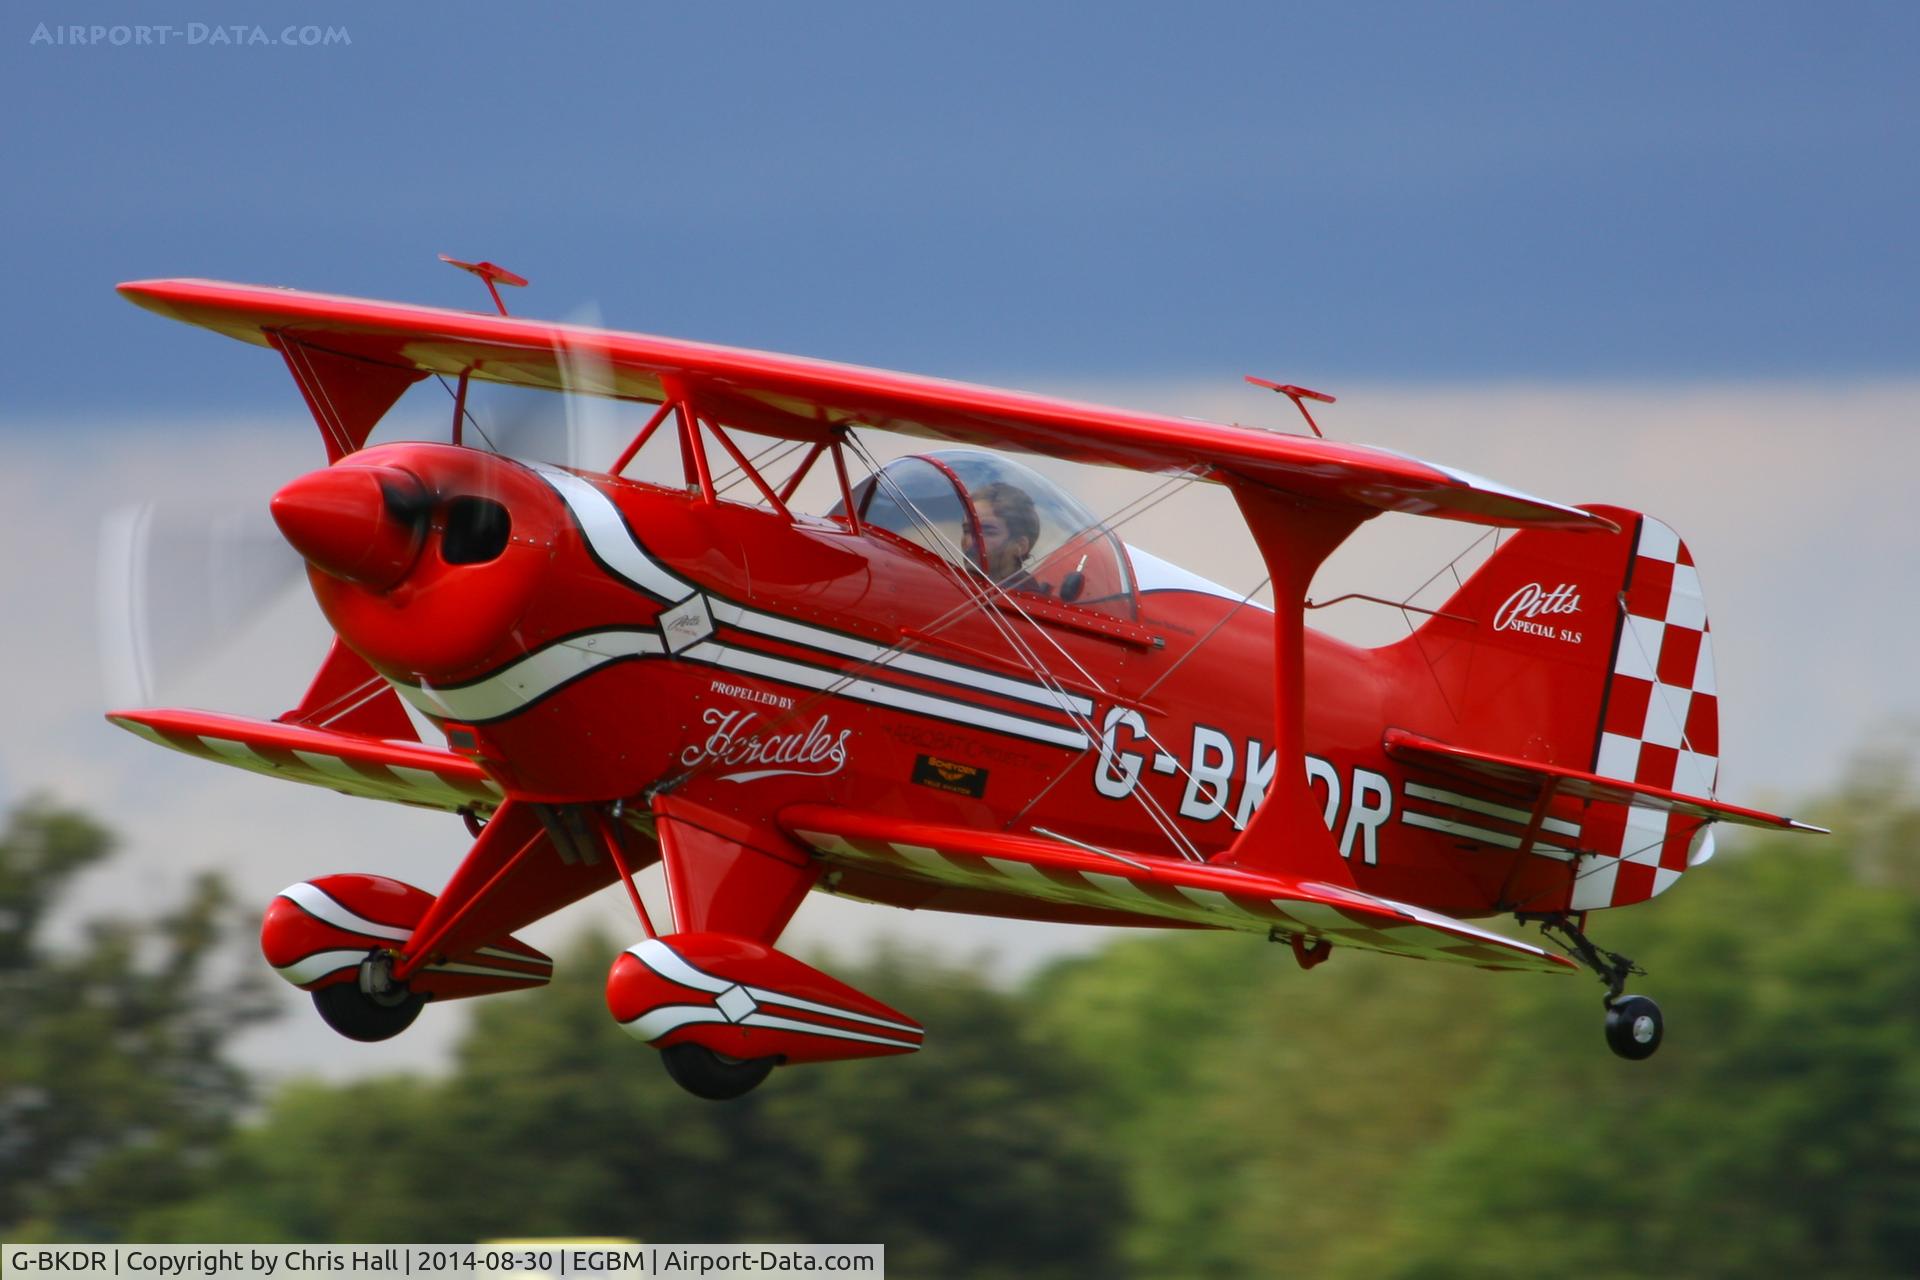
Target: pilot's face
1001 551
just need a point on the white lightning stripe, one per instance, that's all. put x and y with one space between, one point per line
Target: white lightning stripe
487 971
608 535
1420 791
501 953
765 996
865 651
815 1029
883 695
1485 485
675 968
1447 924
317 903
1413 818
655 1023
319 965
666 962
421 702
538 674
614 544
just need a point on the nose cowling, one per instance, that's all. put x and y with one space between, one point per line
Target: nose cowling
361 524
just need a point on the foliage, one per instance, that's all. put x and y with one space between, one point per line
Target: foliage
554 1122
113 1090
1193 1105
1375 1118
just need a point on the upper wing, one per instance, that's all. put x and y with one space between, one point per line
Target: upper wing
793 397
1206 893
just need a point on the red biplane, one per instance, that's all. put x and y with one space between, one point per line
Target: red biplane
956 690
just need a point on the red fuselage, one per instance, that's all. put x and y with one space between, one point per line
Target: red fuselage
628 637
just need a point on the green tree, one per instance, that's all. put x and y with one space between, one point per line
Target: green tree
113 1088
1381 1117
968 1159
1193 1105
1777 1131
1267 1111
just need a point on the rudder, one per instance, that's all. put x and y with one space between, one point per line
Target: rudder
1590 652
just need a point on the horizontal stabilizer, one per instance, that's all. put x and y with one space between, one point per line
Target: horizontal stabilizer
1525 780
1139 884
377 768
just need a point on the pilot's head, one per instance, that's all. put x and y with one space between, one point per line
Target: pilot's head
1009 527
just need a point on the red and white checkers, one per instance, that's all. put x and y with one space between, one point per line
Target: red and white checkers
1661 727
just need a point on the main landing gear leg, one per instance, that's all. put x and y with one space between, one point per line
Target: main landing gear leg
1634 1026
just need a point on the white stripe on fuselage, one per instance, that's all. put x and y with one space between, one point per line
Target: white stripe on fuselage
614 544
532 677
845 685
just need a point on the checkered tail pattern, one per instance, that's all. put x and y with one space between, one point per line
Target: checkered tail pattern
1661 726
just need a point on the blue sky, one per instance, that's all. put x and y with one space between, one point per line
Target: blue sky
1019 192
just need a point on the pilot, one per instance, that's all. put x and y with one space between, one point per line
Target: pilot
1009 528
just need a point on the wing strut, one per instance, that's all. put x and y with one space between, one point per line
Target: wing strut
346 395
1287 835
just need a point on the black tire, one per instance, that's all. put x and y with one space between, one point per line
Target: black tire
705 1074
358 1016
1634 1027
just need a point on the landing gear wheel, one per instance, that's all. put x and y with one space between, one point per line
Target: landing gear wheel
359 1016
706 1074
1634 1027
373 1007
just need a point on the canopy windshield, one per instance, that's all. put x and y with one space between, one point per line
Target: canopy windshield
996 517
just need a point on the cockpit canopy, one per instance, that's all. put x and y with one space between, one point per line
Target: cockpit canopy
1000 521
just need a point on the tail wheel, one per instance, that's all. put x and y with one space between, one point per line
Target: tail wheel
706 1074
1634 1027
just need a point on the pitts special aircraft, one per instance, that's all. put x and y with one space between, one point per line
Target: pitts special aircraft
958 690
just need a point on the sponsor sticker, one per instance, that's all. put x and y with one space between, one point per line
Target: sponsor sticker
686 624
953 776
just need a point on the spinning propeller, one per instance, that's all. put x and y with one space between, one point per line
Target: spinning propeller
177 584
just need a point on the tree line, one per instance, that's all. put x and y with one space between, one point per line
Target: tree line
1178 1105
